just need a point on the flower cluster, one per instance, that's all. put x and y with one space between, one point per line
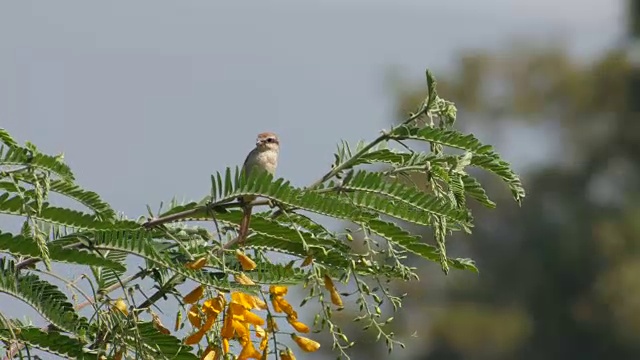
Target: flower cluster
237 318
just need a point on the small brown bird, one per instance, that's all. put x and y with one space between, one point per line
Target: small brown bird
264 157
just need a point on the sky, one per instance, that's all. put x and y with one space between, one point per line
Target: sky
146 99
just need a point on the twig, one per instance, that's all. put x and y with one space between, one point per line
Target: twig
364 150
187 213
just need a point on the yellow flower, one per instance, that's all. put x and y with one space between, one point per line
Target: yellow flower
225 345
278 290
335 296
248 301
227 326
245 261
287 355
240 313
208 324
213 306
194 338
243 279
242 330
307 261
280 304
194 295
260 304
158 324
305 344
197 336
265 340
211 353
328 283
121 305
299 326
194 316
197 264
236 309
260 332
252 318
276 305
249 352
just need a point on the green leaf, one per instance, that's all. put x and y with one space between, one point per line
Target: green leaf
502 169
431 86
474 189
404 239
20 245
61 216
264 225
262 184
165 346
6 138
483 155
18 156
457 190
52 342
463 264
139 243
45 298
375 183
107 277
411 243
449 138
87 198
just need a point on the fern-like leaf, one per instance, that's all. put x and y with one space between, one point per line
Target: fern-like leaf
404 239
90 199
21 245
499 167
265 225
375 183
45 298
483 155
61 216
18 156
164 346
474 189
7 139
411 243
51 342
140 243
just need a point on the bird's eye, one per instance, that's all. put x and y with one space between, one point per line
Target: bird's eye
270 140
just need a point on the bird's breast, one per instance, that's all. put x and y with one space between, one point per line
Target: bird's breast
265 160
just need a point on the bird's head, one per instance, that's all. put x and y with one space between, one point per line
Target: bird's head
267 141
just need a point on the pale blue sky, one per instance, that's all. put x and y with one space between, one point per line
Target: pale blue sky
147 98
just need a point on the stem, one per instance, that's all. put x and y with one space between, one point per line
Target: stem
187 213
363 151
349 162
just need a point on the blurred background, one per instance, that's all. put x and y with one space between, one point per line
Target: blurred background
147 98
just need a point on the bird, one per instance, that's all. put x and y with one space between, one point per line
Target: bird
264 157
